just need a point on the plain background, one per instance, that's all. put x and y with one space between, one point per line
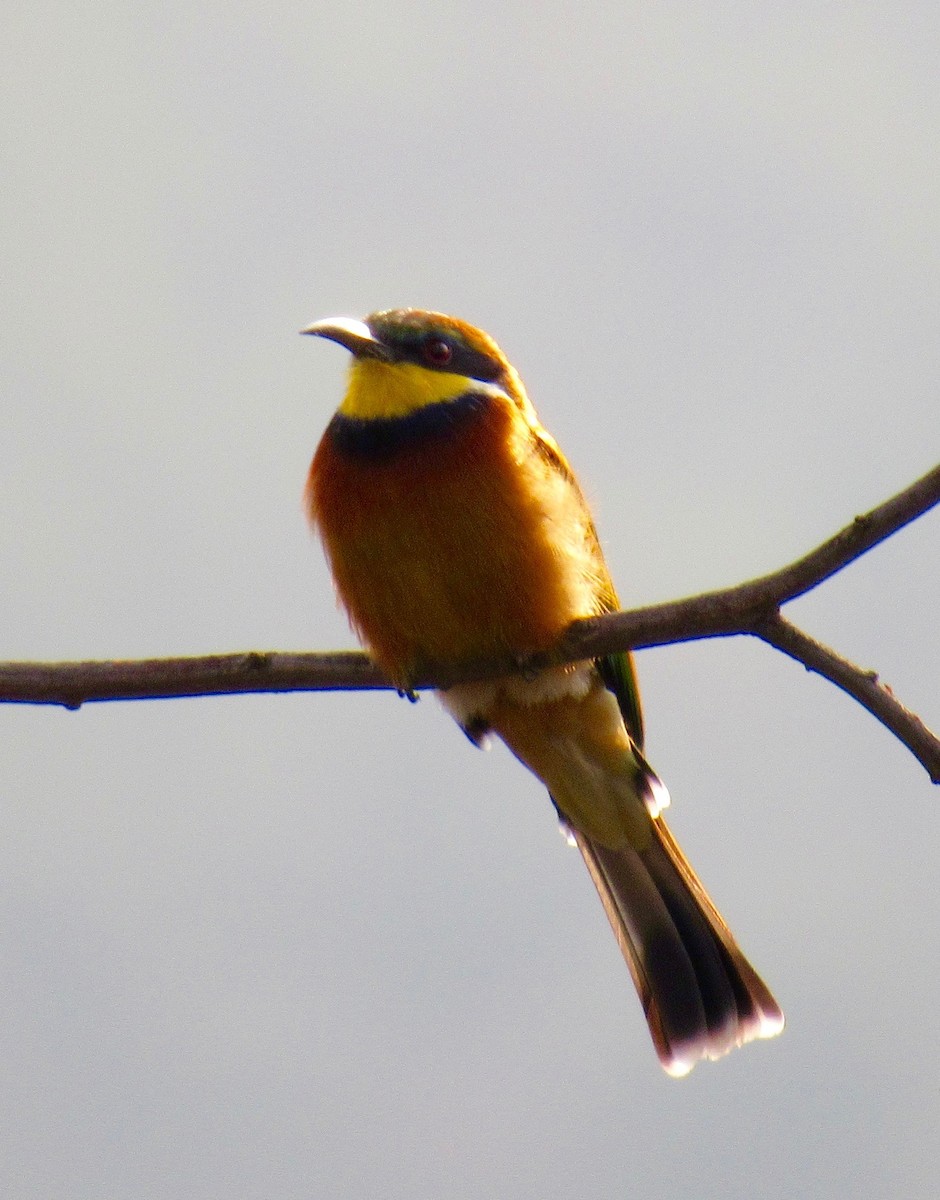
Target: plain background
316 945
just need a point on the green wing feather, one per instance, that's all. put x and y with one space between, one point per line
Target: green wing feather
619 677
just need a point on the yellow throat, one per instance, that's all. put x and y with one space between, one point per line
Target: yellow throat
382 390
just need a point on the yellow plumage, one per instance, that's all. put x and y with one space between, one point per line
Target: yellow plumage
456 530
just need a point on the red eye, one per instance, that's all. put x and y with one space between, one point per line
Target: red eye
437 352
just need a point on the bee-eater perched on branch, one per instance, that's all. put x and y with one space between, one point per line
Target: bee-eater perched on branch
456 531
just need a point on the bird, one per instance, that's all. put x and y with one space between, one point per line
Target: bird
456 532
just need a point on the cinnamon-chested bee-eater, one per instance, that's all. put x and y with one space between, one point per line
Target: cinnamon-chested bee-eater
456 532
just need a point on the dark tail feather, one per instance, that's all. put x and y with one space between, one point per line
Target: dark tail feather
700 994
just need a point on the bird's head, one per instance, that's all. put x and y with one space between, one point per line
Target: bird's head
405 359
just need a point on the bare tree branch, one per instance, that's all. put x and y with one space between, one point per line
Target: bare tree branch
863 686
749 608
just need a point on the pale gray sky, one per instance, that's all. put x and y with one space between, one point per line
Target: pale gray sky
318 945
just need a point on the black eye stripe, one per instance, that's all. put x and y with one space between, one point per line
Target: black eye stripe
411 342
460 360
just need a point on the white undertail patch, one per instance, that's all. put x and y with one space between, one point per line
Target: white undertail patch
470 702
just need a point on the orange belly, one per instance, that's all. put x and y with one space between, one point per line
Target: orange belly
472 547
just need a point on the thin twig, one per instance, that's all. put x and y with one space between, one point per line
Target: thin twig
863 686
749 608
72 684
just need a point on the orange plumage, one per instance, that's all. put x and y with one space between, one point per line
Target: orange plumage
424 535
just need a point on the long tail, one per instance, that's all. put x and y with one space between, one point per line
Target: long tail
700 994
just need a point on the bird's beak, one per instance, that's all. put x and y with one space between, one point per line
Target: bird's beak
355 335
